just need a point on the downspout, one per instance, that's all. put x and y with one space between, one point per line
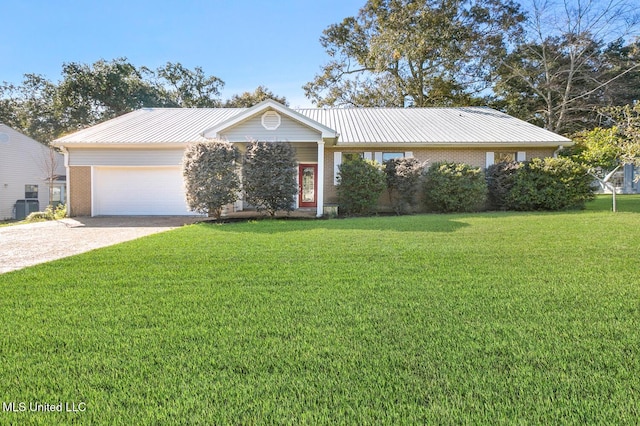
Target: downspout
557 151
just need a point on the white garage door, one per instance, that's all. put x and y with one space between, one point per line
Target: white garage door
138 191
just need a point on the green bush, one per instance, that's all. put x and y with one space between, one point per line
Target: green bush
500 179
454 187
550 184
360 183
269 176
49 213
60 212
403 177
210 176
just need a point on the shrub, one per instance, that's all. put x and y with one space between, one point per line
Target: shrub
210 176
403 177
550 184
454 187
269 176
360 183
40 216
500 179
60 212
49 213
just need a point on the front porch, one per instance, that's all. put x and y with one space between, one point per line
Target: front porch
271 122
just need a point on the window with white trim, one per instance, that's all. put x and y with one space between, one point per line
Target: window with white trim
31 191
504 157
386 156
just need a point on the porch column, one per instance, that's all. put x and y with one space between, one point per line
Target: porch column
320 205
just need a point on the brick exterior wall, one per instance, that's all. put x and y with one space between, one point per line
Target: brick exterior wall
473 157
80 190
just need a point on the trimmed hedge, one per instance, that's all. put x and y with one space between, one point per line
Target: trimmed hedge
360 183
269 176
500 180
403 178
210 172
550 184
454 187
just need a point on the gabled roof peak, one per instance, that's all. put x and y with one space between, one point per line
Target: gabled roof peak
264 106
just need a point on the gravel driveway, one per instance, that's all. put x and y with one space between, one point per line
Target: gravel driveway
30 244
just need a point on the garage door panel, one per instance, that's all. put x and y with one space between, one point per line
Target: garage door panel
139 191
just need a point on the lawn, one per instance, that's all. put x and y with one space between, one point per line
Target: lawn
493 318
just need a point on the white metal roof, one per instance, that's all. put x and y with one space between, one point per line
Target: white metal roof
407 126
152 126
430 126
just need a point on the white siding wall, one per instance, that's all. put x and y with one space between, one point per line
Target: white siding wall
306 152
289 130
22 162
125 157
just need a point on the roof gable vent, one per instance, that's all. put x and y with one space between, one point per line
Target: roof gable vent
271 120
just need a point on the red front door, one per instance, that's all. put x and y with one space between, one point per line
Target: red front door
308 179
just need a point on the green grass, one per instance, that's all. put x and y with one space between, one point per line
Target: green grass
496 318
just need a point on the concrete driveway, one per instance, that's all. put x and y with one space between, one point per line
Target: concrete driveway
30 244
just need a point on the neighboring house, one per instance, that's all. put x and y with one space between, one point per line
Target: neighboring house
25 168
625 181
630 180
131 165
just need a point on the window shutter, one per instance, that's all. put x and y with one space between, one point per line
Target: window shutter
378 157
408 154
367 156
490 159
521 156
337 160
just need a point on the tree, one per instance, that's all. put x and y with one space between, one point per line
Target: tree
269 176
247 99
605 151
190 88
622 73
30 107
403 176
627 118
9 106
415 53
90 94
571 61
599 150
211 176
360 183
49 164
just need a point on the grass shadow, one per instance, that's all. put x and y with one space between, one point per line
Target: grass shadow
414 223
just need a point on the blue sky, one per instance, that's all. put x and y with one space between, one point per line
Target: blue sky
246 43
